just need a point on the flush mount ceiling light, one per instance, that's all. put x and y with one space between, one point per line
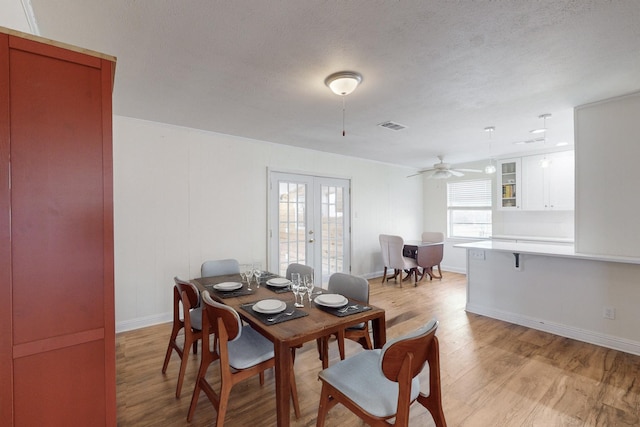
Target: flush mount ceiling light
343 83
543 129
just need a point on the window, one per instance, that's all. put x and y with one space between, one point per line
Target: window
469 208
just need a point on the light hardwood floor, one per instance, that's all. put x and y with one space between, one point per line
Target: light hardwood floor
493 373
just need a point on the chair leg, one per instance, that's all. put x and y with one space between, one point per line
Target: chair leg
225 391
439 276
172 346
323 407
384 275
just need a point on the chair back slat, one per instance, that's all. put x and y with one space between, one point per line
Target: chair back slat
219 267
298 268
182 286
418 344
350 286
432 236
230 318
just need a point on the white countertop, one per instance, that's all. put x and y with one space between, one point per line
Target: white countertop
533 238
566 251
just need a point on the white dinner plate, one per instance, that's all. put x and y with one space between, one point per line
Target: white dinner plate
227 286
278 282
269 306
331 300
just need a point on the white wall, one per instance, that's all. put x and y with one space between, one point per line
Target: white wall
182 196
12 16
607 177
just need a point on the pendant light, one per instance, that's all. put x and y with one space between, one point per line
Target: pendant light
490 168
544 163
343 83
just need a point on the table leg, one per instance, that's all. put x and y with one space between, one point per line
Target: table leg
283 376
379 326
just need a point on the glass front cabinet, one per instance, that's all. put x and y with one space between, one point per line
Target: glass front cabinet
509 184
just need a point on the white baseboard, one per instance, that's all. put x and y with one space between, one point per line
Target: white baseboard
142 322
567 331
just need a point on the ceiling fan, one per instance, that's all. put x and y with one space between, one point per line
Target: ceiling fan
444 170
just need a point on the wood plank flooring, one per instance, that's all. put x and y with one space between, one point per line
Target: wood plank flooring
493 373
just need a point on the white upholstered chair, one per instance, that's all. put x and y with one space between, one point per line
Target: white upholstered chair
381 384
219 267
392 257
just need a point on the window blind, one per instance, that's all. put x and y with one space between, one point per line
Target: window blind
469 194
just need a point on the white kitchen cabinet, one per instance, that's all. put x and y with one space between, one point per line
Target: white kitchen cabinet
550 187
509 178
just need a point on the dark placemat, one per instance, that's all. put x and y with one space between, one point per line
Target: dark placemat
351 310
230 294
277 289
278 317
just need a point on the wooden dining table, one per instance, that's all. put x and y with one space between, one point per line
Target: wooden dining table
292 333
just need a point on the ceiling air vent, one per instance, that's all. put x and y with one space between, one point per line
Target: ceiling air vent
392 125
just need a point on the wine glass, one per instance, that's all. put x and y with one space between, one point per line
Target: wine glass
248 272
257 272
296 288
308 283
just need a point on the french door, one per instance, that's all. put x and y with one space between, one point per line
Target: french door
309 223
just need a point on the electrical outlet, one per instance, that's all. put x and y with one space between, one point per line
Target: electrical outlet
609 313
476 254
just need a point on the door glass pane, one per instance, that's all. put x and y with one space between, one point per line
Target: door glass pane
332 230
291 224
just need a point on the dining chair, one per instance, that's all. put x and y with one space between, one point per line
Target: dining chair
219 267
185 294
298 268
241 351
433 255
381 384
392 257
355 288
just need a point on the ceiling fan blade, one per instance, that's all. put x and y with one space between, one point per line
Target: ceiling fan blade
469 170
456 172
420 172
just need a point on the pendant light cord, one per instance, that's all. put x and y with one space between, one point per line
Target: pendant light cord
343 108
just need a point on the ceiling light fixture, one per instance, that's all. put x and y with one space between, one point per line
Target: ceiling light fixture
543 129
490 168
343 83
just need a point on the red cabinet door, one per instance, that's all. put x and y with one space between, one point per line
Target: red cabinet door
61 248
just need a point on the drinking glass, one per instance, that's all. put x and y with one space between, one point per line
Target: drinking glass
248 272
296 288
308 283
257 272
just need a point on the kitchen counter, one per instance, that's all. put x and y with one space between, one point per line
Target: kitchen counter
567 251
552 288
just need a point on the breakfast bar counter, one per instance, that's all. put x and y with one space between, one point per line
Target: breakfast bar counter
591 298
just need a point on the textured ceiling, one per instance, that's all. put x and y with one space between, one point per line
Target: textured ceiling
444 69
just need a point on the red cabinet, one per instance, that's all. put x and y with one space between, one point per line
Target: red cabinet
57 344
